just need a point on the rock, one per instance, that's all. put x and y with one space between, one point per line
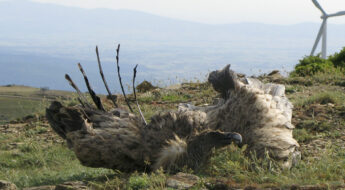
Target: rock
274 72
309 187
45 187
145 86
74 185
217 186
182 181
174 87
250 188
112 97
6 185
273 76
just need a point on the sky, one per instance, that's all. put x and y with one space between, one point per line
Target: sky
283 12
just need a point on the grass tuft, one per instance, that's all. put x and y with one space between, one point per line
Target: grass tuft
336 98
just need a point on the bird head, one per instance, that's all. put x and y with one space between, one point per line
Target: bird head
220 139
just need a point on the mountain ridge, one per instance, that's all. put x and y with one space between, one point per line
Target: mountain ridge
160 45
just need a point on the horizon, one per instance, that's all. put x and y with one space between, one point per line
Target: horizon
220 11
45 40
313 13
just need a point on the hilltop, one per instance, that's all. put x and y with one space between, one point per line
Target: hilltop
32 155
18 101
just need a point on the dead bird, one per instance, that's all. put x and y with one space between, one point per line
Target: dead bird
102 139
120 140
260 112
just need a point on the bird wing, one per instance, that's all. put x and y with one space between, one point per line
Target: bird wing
99 138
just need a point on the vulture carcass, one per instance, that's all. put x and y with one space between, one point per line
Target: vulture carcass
121 140
260 112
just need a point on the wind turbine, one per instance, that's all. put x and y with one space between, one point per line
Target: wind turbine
323 29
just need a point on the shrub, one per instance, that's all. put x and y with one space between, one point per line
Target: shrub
138 182
338 59
311 65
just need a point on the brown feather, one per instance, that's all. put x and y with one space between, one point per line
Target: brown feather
119 140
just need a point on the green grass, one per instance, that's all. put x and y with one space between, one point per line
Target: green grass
19 101
144 181
26 91
134 181
336 98
303 135
13 108
335 77
175 98
29 161
18 90
33 155
233 164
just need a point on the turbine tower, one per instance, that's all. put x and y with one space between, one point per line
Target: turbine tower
323 30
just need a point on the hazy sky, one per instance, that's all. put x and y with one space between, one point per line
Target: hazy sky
222 11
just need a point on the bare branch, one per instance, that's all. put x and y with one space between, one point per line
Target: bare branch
104 81
135 94
94 97
118 73
82 97
81 102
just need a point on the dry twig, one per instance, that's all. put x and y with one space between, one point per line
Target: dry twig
94 97
82 97
104 81
135 94
118 73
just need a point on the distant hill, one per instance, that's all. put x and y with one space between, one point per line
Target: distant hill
41 42
40 70
20 101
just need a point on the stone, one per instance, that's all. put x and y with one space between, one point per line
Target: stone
309 187
145 86
174 87
274 72
74 185
6 185
250 188
45 187
182 181
217 186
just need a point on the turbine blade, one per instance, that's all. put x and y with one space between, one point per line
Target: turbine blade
340 13
319 7
318 37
